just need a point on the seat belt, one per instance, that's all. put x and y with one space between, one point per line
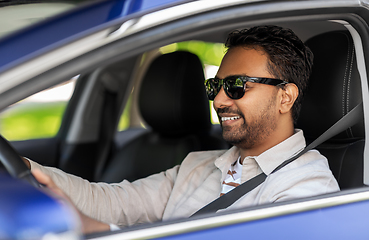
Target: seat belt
107 127
351 118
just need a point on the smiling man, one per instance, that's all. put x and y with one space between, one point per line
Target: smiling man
259 119
257 94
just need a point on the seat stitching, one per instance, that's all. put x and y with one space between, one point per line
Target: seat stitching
344 82
348 86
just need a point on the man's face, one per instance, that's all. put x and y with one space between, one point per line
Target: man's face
249 121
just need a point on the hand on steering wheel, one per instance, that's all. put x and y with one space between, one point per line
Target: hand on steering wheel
14 164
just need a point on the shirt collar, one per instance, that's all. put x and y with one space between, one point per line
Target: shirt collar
268 160
225 160
273 157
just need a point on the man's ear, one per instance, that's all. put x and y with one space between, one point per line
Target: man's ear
289 94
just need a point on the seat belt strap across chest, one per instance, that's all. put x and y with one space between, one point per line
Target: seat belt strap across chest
351 118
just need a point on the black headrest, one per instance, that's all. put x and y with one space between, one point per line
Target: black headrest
172 98
334 87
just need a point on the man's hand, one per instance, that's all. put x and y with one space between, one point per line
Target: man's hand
89 225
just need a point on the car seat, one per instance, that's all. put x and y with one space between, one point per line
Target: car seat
173 103
334 89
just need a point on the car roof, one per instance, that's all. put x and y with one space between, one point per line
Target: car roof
69 25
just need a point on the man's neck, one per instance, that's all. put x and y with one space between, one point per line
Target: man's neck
272 140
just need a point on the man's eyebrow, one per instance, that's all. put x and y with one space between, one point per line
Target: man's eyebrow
239 75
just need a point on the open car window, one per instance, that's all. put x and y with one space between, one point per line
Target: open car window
38 116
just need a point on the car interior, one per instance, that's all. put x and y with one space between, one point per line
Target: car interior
335 79
334 90
173 103
168 98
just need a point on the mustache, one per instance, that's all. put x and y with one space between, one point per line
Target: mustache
229 110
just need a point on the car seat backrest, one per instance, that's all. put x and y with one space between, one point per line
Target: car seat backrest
334 89
173 103
172 99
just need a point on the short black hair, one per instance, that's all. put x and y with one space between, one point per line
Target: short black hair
289 58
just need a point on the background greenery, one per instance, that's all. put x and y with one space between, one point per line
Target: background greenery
32 120
209 53
42 119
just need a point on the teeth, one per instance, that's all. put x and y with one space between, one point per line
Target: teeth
229 118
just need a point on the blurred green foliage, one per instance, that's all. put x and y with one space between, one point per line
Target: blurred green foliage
124 119
209 53
32 120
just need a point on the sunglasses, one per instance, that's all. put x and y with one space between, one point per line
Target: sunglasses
234 86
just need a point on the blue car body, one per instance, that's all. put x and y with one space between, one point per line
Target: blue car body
29 213
343 222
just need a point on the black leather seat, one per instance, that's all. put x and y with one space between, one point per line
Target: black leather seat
335 89
173 103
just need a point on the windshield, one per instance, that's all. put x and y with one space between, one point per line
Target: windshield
15 15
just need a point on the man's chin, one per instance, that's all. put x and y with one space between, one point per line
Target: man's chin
233 140
238 141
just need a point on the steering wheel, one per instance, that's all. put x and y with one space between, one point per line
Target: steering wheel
14 163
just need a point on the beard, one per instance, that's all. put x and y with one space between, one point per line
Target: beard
253 132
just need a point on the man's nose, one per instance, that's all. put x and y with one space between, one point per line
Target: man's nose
221 100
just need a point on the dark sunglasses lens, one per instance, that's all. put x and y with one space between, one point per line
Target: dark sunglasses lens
212 88
234 87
